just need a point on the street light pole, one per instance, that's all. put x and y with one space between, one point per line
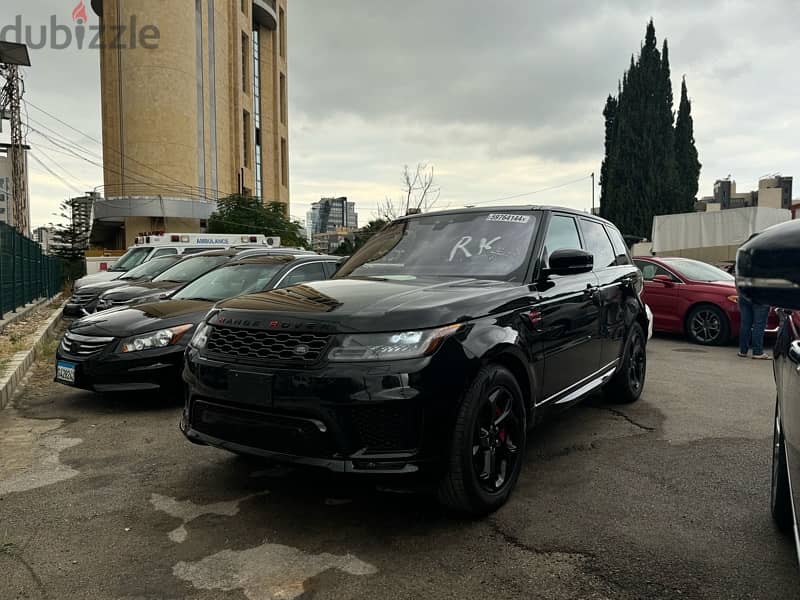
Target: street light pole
592 192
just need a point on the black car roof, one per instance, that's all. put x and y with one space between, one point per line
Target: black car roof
508 208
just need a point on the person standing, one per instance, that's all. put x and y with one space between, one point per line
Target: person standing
751 331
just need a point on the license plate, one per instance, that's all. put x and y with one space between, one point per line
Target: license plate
250 388
65 372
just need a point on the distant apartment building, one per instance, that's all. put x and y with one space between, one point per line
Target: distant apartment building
199 115
774 191
329 242
82 209
6 187
330 214
44 236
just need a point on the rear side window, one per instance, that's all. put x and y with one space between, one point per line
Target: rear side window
620 249
309 272
196 249
597 243
562 234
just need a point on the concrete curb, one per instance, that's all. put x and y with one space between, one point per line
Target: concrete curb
23 311
20 363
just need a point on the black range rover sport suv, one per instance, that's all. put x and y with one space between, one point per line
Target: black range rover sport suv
433 351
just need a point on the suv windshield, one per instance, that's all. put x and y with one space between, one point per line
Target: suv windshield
479 245
229 281
132 258
191 268
151 268
697 271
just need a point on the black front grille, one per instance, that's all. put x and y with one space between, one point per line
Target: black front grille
385 427
268 346
83 345
254 429
82 298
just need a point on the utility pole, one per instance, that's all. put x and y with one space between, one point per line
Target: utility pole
592 192
12 56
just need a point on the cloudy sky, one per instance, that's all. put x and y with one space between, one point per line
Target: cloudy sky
503 97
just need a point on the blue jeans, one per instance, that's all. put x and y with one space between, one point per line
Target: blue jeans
754 322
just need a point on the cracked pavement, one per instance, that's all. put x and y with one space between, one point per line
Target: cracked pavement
101 497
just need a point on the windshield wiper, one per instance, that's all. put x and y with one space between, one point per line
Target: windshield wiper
199 299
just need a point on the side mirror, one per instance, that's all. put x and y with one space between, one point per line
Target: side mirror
665 279
570 262
767 269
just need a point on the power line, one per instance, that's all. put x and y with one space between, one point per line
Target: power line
53 173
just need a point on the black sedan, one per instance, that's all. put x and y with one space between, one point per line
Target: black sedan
84 300
141 347
185 270
768 272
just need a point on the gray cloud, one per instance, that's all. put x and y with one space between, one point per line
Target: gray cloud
503 97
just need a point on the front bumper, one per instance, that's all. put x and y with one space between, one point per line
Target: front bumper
385 418
107 371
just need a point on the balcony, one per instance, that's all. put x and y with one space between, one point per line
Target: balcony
265 14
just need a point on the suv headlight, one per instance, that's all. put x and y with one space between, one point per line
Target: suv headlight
390 346
200 337
155 339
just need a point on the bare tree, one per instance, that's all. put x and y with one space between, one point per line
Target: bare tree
420 193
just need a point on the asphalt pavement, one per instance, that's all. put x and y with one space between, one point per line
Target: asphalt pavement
102 498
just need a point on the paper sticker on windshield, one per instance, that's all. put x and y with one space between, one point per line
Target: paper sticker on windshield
508 218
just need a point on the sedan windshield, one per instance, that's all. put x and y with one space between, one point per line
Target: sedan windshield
151 268
190 268
697 271
229 281
479 245
132 258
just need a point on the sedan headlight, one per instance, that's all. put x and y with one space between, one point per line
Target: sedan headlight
155 339
390 346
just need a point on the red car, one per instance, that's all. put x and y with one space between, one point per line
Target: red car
692 297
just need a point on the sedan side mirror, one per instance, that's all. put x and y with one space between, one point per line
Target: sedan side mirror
767 270
570 262
665 279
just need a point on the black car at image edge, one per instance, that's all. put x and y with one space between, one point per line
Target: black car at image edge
768 272
431 353
141 348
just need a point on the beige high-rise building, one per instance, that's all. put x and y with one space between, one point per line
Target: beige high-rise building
194 100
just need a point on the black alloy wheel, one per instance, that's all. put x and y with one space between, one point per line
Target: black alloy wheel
707 325
780 498
488 444
627 384
495 451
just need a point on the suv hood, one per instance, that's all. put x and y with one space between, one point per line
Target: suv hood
372 305
139 290
97 278
123 322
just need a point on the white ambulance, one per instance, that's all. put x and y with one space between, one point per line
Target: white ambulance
146 247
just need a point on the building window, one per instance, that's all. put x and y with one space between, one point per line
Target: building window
284 163
244 6
282 31
246 137
283 98
257 108
245 64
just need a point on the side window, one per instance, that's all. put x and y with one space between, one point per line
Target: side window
309 272
330 269
196 249
562 234
650 270
597 243
620 249
164 252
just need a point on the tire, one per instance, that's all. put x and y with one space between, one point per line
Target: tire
780 500
707 325
488 445
627 383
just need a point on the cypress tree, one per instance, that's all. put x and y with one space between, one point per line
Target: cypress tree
639 176
686 152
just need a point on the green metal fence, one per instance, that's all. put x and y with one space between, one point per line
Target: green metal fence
26 273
